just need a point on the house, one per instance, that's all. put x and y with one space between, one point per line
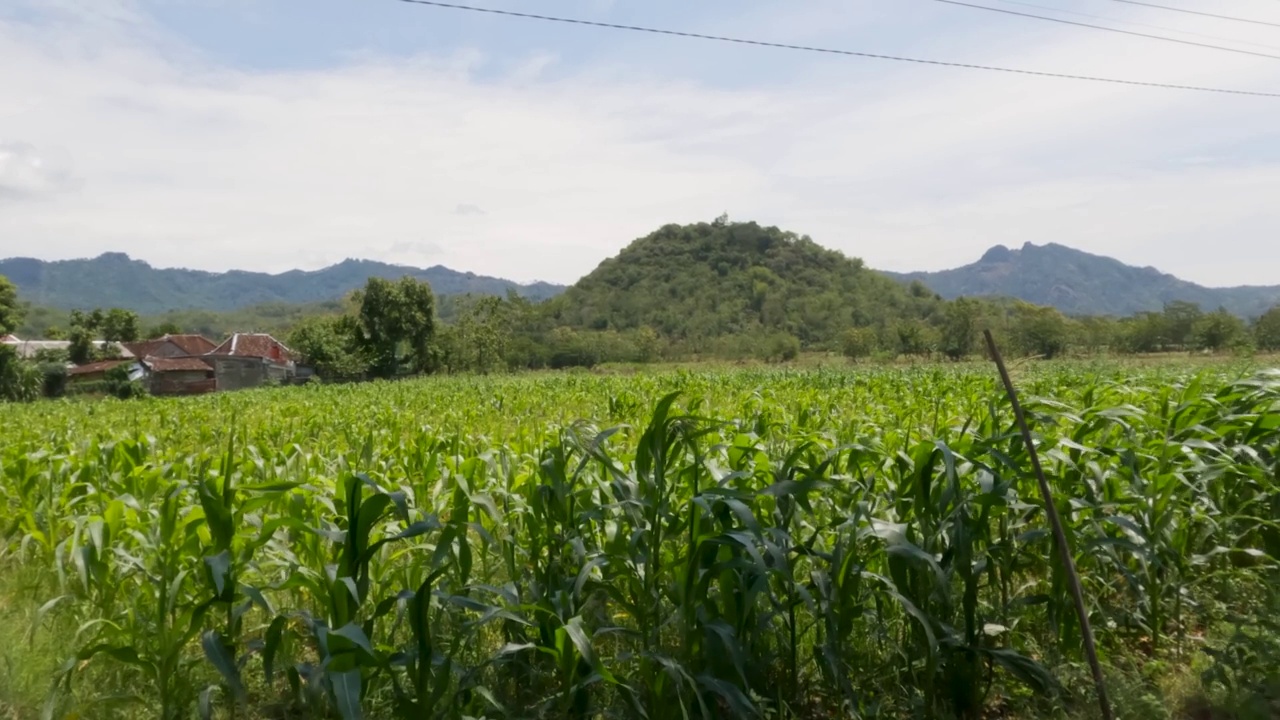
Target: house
97 371
179 375
172 346
248 360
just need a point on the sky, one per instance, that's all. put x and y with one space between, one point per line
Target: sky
277 134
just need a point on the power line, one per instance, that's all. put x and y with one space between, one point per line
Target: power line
1135 23
829 51
1197 12
1134 33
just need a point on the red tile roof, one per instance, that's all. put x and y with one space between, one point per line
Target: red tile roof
186 344
192 344
96 367
259 345
146 347
176 364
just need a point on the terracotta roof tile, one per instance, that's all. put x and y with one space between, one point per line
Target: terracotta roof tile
192 344
176 364
95 367
146 347
258 345
187 344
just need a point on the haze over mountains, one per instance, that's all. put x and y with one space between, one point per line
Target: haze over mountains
1073 281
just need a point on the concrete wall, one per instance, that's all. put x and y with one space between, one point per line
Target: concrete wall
238 373
183 382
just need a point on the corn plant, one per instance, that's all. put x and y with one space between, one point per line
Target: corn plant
697 544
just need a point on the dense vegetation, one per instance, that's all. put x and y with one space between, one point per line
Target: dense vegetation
730 291
115 280
716 282
1079 283
763 544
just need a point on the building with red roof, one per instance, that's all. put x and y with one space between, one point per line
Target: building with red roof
247 360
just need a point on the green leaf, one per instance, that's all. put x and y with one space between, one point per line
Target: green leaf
357 636
271 645
218 653
346 693
578 635
219 568
1031 673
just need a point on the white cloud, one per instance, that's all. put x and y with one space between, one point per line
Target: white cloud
183 161
29 174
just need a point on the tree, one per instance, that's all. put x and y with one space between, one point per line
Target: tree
1218 330
1041 331
648 344
1143 333
331 345
167 327
394 315
1266 330
119 326
858 343
1180 320
11 312
480 338
914 337
960 327
1097 333
81 337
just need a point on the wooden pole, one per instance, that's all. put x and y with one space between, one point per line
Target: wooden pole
1059 535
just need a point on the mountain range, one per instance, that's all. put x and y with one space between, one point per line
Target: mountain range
1073 281
1081 283
116 280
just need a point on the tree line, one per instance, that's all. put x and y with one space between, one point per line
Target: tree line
392 328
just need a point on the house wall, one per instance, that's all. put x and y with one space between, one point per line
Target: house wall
183 382
238 373
278 373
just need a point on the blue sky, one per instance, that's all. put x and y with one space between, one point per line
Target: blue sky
275 134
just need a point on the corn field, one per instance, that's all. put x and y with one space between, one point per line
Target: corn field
709 544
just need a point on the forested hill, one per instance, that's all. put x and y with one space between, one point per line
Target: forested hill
116 280
720 279
1081 283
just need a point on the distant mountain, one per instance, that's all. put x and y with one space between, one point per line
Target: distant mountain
1081 283
116 280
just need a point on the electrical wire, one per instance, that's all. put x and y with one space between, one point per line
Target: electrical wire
1137 24
1109 29
830 51
1197 12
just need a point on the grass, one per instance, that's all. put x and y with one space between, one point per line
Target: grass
695 542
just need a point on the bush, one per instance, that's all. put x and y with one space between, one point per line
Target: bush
19 380
129 390
783 347
858 343
53 379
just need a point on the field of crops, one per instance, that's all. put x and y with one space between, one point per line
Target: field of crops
765 543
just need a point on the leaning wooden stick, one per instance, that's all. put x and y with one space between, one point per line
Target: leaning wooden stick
1059 535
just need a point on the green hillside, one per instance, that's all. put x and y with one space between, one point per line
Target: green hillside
1081 283
700 282
116 280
